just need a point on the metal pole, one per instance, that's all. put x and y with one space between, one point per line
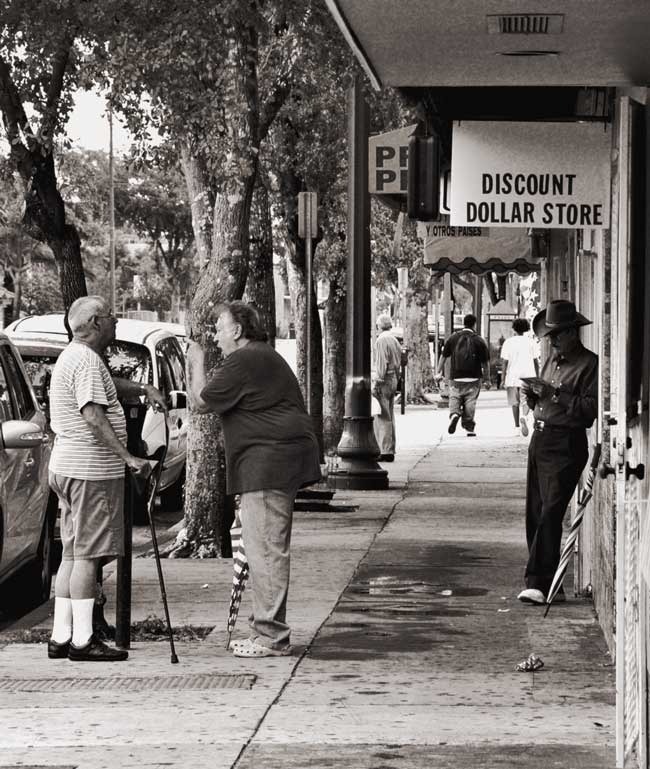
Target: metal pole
358 449
308 306
124 572
448 305
111 206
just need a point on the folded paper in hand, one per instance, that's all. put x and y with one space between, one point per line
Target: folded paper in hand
533 380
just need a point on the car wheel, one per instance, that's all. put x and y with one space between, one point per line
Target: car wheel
35 583
173 498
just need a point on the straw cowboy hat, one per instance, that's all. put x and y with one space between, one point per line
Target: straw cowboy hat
559 314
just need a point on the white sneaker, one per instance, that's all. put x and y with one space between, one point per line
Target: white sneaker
532 595
523 424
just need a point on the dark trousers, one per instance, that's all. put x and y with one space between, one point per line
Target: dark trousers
555 461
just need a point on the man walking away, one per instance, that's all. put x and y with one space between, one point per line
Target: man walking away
271 451
519 356
388 360
469 356
565 404
87 474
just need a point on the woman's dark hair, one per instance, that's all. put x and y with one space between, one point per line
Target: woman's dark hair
248 318
520 325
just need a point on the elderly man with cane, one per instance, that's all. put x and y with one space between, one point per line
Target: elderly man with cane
271 451
565 403
87 474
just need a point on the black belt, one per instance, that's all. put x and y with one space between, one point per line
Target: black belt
541 426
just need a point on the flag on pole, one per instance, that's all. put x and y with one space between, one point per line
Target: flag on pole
240 574
583 499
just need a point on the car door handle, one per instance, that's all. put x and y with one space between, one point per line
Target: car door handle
30 462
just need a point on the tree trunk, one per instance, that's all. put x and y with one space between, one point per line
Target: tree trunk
199 194
67 254
206 519
17 280
298 294
260 286
44 220
335 372
419 374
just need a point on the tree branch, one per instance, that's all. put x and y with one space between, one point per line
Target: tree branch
464 283
272 107
55 87
15 120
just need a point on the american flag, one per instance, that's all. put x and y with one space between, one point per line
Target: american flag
567 551
240 575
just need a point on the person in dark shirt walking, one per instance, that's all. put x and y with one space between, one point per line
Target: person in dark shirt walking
271 451
469 362
565 404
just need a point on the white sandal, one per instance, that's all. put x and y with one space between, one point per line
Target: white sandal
251 648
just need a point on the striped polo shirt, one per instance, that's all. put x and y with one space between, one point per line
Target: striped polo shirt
80 377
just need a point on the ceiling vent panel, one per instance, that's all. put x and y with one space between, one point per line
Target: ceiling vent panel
525 24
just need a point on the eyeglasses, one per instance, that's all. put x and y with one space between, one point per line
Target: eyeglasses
108 315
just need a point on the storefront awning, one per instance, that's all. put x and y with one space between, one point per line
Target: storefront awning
476 249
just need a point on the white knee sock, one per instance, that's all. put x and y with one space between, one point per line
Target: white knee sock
62 628
82 620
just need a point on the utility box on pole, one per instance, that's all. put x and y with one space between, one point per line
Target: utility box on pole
307 215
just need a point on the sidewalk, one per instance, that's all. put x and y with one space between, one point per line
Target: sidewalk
407 633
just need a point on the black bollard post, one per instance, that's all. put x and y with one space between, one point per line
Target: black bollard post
124 572
135 414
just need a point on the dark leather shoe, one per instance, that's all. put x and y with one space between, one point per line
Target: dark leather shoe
57 651
96 651
387 458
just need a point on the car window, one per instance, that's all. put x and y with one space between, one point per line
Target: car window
39 370
171 352
23 401
129 361
7 410
165 376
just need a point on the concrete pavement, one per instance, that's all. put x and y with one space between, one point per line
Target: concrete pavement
407 633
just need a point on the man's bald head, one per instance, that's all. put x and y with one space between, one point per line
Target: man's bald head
83 310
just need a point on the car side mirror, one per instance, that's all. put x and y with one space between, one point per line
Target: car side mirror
177 399
19 434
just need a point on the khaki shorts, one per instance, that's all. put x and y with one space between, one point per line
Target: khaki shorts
514 395
92 516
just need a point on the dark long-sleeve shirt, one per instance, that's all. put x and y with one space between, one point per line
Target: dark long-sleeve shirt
576 376
268 434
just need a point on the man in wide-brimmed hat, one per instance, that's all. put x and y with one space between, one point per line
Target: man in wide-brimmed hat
565 403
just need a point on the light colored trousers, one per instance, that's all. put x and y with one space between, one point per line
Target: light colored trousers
462 401
384 422
266 517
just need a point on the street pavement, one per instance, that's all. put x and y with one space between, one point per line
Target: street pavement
406 636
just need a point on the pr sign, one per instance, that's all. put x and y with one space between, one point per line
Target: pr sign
545 175
388 162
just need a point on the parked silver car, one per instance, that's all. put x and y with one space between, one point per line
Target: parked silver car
144 352
29 508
